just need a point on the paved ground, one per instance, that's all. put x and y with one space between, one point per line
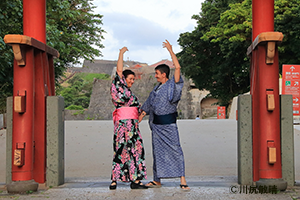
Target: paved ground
209 146
204 187
210 149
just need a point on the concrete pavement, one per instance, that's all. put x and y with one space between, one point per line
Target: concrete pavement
206 187
210 150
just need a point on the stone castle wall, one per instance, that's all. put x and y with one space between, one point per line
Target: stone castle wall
101 106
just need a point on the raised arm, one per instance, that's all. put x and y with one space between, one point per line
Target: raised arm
120 61
167 45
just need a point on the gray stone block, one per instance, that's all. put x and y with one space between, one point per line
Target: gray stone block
21 187
245 169
55 141
9 124
279 183
287 139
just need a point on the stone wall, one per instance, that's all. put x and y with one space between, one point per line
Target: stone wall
75 114
209 107
198 97
101 106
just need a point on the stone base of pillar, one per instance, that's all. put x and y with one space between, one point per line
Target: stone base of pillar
21 187
279 183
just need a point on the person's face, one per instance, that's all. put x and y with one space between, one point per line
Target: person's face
130 80
160 76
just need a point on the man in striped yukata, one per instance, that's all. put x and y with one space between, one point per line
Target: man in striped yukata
161 105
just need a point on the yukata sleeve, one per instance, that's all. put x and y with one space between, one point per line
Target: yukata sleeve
174 90
146 106
119 90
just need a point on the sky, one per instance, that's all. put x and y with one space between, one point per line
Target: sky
143 25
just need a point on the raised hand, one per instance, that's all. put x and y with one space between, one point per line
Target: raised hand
120 61
167 45
123 50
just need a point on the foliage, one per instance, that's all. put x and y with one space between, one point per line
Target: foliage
287 21
234 25
214 66
80 112
10 22
90 118
74 30
71 27
74 107
4 93
91 76
214 54
80 90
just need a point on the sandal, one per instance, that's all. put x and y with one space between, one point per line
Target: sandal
138 185
152 184
113 186
185 187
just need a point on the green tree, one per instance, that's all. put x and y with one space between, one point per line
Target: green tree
233 35
79 91
287 21
10 22
214 54
214 66
72 28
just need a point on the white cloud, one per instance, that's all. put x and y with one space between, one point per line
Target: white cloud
135 30
142 26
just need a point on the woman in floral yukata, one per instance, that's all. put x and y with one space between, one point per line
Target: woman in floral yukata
129 154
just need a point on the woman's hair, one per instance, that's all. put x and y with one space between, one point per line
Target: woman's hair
163 68
127 72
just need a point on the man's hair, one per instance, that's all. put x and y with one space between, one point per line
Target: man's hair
127 72
163 68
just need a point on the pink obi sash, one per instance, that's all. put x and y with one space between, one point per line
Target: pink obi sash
125 113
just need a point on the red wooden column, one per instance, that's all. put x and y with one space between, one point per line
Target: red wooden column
29 116
265 96
34 19
262 21
33 82
23 123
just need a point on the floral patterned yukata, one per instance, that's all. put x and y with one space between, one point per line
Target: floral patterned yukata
129 155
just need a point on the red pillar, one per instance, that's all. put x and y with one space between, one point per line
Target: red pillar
29 127
34 19
39 170
23 126
262 17
264 80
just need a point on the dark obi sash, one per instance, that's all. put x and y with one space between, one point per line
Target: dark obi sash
165 119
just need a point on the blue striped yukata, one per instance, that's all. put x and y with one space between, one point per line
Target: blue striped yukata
168 160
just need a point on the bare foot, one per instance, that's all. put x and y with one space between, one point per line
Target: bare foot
183 184
185 187
153 184
138 182
113 183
